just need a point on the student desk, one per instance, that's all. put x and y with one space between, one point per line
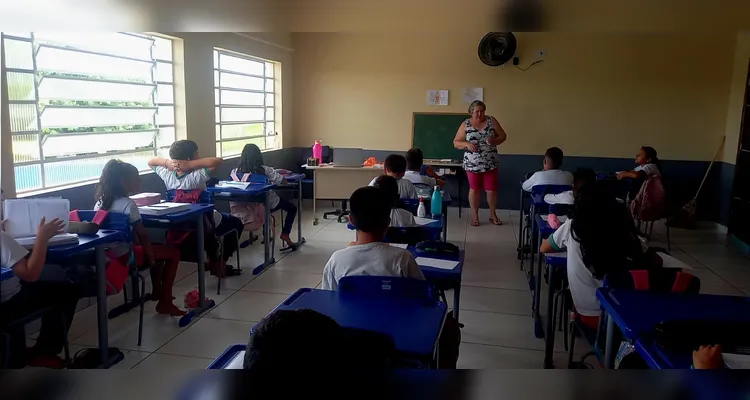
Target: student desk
636 312
231 358
460 173
535 277
436 226
414 325
251 195
194 214
338 183
444 279
558 266
99 241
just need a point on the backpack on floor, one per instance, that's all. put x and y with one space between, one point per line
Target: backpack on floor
651 201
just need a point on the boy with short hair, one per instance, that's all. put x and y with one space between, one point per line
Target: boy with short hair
395 166
368 255
416 171
186 171
551 174
400 217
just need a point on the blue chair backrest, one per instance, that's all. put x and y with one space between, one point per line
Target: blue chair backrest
550 189
654 280
424 189
206 197
410 235
398 287
560 209
115 221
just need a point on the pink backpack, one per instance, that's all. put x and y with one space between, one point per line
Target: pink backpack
651 200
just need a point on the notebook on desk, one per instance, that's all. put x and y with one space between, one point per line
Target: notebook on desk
164 208
23 216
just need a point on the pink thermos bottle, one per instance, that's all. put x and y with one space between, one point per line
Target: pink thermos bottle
318 151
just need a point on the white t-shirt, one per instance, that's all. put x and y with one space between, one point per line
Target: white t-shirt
10 253
373 259
582 284
549 177
195 179
406 189
415 177
401 218
560 198
122 205
649 169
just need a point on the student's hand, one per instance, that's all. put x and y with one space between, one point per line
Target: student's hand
471 147
177 165
708 357
620 175
49 229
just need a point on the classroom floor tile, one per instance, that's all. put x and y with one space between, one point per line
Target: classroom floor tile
495 297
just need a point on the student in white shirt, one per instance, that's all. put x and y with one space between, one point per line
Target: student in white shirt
22 294
400 217
370 214
551 174
599 237
395 166
416 171
648 165
582 176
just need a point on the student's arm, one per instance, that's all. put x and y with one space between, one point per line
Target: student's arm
161 162
209 163
500 135
631 175
558 241
29 269
460 141
142 234
529 183
329 281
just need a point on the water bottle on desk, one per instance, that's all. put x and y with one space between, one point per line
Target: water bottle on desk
318 152
436 206
421 212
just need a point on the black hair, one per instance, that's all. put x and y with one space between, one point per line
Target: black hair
389 185
555 157
183 150
395 163
370 209
251 160
287 338
604 229
414 159
111 183
583 177
651 154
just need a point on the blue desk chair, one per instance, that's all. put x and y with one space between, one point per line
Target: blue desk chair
658 280
121 223
407 288
526 235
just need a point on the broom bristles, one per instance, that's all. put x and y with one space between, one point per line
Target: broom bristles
685 218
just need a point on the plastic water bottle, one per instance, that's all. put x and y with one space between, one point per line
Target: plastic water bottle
421 210
318 151
436 207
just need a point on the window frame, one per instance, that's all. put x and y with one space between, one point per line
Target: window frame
219 106
41 106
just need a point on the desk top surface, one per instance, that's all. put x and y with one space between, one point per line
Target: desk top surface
414 325
86 242
198 208
637 312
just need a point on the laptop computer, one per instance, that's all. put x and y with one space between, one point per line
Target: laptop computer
348 157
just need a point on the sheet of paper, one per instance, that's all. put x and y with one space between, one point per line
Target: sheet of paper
423 221
232 184
471 94
437 97
436 263
399 245
237 362
736 361
23 215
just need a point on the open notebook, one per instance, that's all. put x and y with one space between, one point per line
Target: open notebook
23 216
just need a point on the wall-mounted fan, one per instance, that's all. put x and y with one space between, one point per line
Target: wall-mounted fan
497 48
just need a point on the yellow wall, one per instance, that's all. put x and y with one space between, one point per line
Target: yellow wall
601 95
736 97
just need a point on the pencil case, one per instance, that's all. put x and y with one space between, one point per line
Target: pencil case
146 199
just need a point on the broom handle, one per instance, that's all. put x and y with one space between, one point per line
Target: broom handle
723 138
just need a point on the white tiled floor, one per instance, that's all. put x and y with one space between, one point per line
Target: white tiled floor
495 301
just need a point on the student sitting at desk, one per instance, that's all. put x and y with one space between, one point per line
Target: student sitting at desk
400 217
22 295
187 174
582 176
395 166
551 174
118 181
417 172
648 165
251 162
370 215
599 237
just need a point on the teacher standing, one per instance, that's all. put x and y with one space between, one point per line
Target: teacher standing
479 137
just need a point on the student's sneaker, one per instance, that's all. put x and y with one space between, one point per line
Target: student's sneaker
45 361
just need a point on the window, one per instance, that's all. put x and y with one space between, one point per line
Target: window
78 100
244 95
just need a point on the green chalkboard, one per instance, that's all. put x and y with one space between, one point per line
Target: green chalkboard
434 133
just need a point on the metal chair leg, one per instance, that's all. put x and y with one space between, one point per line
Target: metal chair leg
66 347
142 306
572 344
237 235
